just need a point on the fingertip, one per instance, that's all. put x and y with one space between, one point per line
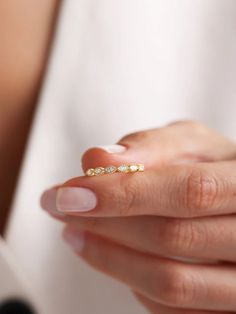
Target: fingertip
74 237
48 203
93 157
102 156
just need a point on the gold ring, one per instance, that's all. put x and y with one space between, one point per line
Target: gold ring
112 169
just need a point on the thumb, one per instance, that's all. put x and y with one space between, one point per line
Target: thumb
182 142
136 148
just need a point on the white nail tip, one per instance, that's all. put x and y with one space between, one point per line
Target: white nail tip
113 149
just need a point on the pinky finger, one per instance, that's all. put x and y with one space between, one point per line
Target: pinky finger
156 308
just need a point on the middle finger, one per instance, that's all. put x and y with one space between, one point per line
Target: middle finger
211 238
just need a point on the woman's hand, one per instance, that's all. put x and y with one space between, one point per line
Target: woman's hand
134 226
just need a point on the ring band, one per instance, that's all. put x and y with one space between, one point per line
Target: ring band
112 169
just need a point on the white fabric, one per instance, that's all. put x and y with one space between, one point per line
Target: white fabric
14 283
116 67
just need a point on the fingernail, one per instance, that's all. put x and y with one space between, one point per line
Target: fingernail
73 199
48 201
75 239
113 149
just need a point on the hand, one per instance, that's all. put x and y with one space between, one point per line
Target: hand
130 226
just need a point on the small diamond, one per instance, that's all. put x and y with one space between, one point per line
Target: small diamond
90 172
110 169
99 170
123 168
140 167
133 168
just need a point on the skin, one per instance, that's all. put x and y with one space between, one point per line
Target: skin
26 29
134 242
168 233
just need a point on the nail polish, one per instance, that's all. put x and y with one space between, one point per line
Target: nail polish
75 199
48 202
113 149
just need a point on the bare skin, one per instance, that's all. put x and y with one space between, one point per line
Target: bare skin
26 29
183 205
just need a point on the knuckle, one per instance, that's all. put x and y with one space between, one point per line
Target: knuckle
167 233
137 136
178 236
193 127
131 200
200 192
134 136
129 197
193 237
194 124
178 287
187 123
182 123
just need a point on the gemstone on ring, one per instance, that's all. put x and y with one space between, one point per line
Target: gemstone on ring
99 170
123 168
90 172
133 168
140 167
110 169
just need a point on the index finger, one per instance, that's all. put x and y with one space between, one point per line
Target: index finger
201 189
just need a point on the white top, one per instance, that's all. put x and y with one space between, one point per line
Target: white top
116 67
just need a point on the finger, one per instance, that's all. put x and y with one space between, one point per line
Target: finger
202 189
167 282
47 202
156 308
201 239
180 142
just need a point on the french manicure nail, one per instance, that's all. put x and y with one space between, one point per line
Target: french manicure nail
75 199
113 149
48 202
75 239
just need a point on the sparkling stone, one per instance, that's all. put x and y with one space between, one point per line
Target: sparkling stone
99 170
140 167
110 169
90 172
123 168
133 168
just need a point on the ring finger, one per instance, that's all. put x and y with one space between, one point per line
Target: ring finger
167 282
